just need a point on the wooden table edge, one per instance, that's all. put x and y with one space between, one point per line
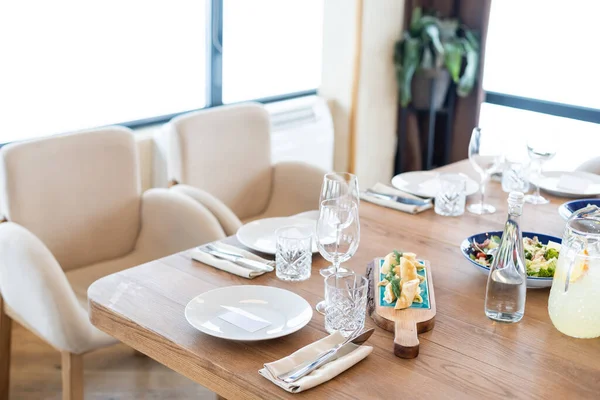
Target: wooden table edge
102 318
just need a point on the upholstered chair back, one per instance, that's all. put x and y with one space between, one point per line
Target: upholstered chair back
79 193
225 151
592 165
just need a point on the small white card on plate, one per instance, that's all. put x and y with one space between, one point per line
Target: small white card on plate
573 183
243 319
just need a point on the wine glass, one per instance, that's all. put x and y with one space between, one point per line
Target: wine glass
486 158
339 184
338 234
540 149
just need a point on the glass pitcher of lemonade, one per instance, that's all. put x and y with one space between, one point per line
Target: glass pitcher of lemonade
574 303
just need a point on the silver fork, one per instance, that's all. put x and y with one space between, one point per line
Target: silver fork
237 255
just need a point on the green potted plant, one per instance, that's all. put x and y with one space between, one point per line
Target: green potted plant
435 49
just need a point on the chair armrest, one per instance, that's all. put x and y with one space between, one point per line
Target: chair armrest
38 295
173 222
296 188
228 220
592 166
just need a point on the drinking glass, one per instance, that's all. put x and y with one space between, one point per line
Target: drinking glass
337 235
515 176
540 148
451 195
346 298
486 159
339 184
293 257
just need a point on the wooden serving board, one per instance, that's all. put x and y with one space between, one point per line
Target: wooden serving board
405 324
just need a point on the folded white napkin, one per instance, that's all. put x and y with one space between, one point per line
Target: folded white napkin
228 266
347 359
381 188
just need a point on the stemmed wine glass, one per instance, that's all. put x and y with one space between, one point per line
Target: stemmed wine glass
338 185
486 159
540 149
338 233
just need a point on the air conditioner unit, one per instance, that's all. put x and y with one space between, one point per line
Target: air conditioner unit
302 130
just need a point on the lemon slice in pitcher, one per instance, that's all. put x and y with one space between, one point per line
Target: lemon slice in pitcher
580 267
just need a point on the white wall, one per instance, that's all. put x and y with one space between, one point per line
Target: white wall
376 106
339 30
377 93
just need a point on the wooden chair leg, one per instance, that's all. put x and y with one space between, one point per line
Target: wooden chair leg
138 353
72 376
5 335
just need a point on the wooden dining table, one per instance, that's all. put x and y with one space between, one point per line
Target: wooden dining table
466 355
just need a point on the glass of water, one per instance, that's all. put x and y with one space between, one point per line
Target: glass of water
451 196
515 177
337 235
486 159
540 148
293 258
346 298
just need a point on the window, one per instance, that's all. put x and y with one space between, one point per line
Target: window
578 140
544 50
74 65
287 58
540 75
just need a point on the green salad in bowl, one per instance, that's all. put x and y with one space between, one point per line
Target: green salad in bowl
540 259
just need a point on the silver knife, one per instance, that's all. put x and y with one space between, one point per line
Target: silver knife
212 247
398 199
341 349
244 262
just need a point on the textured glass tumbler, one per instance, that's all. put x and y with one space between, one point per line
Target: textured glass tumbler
293 258
451 196
515 177
346 297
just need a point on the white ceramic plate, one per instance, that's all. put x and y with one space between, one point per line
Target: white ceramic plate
549 183
424 183
259 235
312 214
285 311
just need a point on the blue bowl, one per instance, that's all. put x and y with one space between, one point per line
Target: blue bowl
532 281
568 208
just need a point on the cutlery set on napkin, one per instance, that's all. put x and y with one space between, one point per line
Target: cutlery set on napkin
232 259
387 196
318 362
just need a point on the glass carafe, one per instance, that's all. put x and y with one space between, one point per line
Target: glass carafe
574 302
507 282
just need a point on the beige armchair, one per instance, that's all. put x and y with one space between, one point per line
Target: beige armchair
221 157
75 214
592 165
